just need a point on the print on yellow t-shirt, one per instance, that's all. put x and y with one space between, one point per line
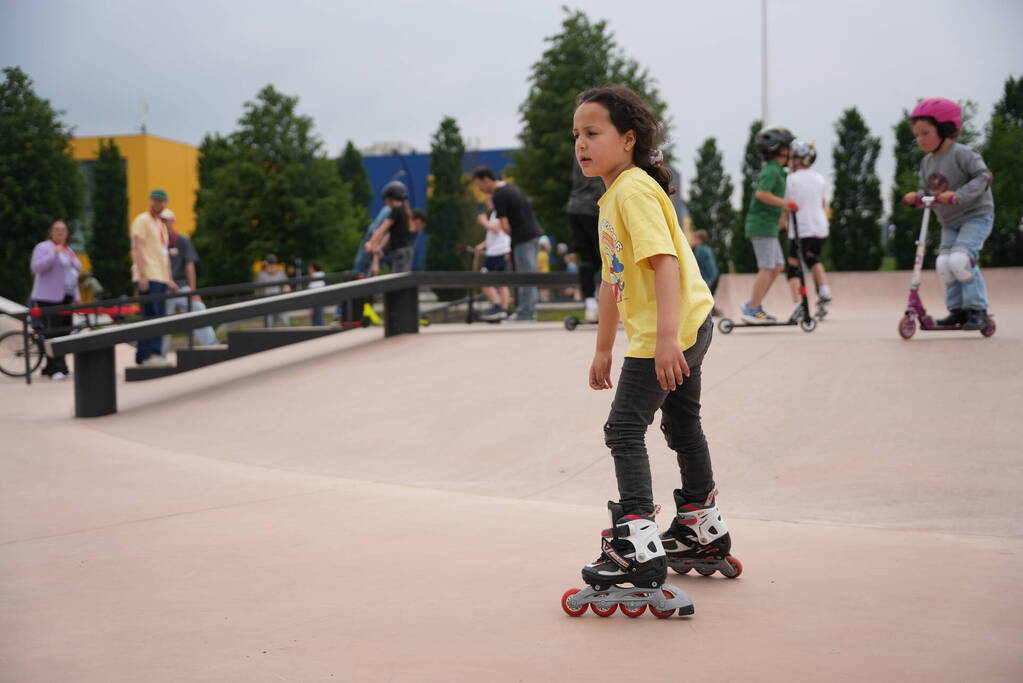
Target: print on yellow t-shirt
637 221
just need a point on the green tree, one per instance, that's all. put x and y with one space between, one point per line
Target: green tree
856 206
450 206
740 251
583 55
109 244
710 199
353 172
39 181
269 188
1003 152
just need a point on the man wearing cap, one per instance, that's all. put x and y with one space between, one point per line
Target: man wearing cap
151 271
182 261
272 273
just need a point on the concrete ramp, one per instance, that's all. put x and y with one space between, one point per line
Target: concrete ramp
412 508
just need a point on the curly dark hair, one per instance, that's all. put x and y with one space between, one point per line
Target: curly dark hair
628 112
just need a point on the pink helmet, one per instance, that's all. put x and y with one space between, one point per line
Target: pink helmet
939 109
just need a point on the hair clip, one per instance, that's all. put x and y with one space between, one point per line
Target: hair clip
656 158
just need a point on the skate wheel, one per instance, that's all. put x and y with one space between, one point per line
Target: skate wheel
907 327
684 570
667 613
571 322
808 324
633 613
990 329
572 612
735 568
725 325
604 611
705 572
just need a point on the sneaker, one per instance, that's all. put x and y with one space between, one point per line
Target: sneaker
155 362
756 317
58 377
516 318
592 309
976 319
956 316
494 314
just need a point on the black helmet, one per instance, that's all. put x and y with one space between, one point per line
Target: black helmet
770 140
394 190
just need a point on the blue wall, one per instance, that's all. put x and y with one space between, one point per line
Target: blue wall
403 167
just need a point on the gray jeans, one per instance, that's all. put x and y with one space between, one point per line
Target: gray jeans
637 399
401 259
524 258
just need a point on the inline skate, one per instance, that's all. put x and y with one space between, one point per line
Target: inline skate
698 539
631 553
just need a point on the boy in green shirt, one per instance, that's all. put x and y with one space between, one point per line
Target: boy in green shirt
763 219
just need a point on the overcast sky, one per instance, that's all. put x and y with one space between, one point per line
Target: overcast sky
376 71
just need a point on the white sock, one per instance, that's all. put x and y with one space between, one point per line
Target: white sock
591 302
824 291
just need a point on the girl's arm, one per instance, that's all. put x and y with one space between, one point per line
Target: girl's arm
669 360
607 328
43 257
980 179
379 234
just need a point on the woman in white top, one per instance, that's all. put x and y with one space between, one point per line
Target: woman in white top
495 248
807 189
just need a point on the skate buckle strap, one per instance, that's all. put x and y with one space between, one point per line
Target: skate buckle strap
614 555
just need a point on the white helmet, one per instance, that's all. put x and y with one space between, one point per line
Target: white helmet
805 151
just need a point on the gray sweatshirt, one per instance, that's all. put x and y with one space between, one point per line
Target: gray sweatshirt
964 172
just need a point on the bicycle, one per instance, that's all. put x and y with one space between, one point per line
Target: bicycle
12 343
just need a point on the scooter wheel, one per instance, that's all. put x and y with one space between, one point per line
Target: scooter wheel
571 322
808 324
725 325
990 329
907 327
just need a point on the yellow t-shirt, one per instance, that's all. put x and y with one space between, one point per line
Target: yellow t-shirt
637 221
543 262
155 257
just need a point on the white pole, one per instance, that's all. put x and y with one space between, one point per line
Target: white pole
763 62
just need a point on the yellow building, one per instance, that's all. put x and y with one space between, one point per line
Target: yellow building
151 162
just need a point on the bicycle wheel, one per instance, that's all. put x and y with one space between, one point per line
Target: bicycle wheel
12 353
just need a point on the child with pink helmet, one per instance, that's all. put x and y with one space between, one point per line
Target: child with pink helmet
960 181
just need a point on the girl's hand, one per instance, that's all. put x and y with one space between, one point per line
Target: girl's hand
369 247
670 365
910 199
600 371
947 198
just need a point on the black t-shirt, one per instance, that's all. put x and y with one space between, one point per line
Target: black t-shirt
400 236
511 203
181 252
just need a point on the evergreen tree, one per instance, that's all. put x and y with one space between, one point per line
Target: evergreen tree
39 181
906 219
353 171
268 188
856 207
741 255
109 245
710 199
583 55
1003 152
450 207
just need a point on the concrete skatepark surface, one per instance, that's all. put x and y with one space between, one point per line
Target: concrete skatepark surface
411 509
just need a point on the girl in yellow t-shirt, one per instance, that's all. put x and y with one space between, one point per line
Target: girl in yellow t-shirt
651 281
